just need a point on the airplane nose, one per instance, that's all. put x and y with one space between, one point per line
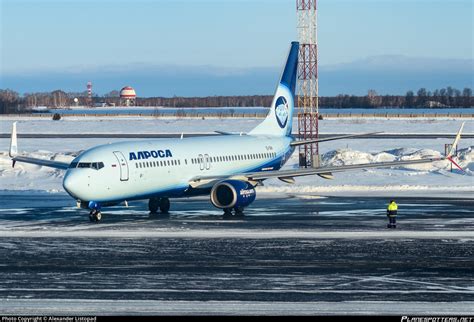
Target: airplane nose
71 184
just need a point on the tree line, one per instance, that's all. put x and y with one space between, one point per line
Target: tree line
13 102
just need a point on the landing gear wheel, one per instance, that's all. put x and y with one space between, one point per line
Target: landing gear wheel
239 212
164 205
153 205
95 216
227 213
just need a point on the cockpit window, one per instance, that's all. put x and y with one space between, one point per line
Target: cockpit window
97 165
93 165
73 165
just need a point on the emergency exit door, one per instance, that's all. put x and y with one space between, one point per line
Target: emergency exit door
204 162
123 165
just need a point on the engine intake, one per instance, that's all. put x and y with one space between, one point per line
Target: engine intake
232 193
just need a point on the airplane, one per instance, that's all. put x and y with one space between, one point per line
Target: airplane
226 167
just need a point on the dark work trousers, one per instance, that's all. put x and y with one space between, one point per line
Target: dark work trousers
392 219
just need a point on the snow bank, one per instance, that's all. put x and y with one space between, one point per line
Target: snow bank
27 176
420 179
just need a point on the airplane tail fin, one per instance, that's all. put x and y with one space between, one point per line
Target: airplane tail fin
451 152
279 120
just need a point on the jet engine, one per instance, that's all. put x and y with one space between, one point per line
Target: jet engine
232 194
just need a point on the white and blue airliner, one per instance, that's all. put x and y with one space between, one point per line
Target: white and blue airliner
227 167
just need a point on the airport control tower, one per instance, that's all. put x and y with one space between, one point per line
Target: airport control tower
307 101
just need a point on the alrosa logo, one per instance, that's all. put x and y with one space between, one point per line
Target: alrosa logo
143 155
247 192
281 111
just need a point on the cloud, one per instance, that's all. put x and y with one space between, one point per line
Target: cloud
385 74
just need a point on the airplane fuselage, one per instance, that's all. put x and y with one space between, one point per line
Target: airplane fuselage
164 167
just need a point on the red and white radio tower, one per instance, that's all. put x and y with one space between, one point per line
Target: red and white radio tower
307 82
89 93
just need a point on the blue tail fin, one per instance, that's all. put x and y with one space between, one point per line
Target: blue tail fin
279 120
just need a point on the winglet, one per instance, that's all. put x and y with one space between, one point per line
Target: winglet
450 155
13 143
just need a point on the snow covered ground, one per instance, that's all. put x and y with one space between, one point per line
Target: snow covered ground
150 307
126 124
428 179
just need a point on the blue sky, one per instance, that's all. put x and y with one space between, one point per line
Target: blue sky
231 37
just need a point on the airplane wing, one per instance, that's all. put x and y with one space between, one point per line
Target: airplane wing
302 142
18 158
328 170
325 172
289 175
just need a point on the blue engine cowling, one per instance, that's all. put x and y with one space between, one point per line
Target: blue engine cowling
232 193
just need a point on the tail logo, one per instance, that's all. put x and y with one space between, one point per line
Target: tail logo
281 111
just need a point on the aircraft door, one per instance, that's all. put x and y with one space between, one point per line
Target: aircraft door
208 163
123 165
201 162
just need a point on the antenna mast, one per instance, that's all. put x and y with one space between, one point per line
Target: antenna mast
308 108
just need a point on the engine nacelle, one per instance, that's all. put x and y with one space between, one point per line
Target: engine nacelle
232 193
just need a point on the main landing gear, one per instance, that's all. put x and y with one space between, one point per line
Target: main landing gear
238 213
159 203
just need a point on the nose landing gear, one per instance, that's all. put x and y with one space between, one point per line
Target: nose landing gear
95 215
